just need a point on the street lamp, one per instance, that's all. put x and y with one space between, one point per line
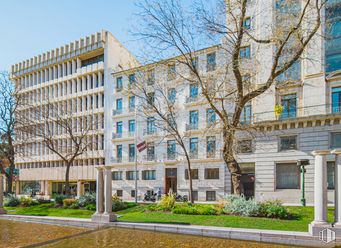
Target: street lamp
302 163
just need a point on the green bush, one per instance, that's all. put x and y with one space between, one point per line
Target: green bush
205 209
167 202
91 207
184 209
26 201
68 202
11 201
117 204
153 207
86 199
43 201
273 209
74 206
239 205
59 199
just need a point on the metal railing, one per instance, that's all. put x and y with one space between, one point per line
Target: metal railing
191 99
116 135
192 126
149 157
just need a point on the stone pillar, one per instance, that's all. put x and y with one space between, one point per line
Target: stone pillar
320 192
2 210
337 184
108 214
80 189
99 196
17 187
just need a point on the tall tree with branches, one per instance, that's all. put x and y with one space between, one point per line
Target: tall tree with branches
169 28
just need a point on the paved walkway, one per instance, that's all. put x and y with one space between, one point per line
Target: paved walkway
271 236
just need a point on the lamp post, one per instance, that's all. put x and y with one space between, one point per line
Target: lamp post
302 163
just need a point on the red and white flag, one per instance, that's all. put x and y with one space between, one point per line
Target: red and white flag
142 146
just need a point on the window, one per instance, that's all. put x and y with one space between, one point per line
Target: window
247 23
289 106
287 176
212 173
193 147
195 63
194 174
193 90
210 196
151 98
119 193
132 193
288 143
119 84
148 175
119 127
193 119
335 140
210 147
171 121
132 79
131 152
211 61
131 126
210 117
331 175
92 60
130 175
117 175
119 104
150 151
119 153
171 95
150 77
336 100
131 103
171 149
244 52
244 146
246 115
171 72
150 125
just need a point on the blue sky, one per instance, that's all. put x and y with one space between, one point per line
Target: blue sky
31 27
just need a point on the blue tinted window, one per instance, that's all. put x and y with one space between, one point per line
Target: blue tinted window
119 127
244 52
336 100
289 106
193 90
119 104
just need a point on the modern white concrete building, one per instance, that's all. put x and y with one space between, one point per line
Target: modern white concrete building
310 120
77 74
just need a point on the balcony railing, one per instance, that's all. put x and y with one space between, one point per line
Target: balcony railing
131 158
150 131
211 154
193 155
131 109
170 156
116 160
117 112
131 133
116 135
149 157
191 126
191 99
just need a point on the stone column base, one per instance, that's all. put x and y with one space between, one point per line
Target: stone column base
2 211
316 228
103 218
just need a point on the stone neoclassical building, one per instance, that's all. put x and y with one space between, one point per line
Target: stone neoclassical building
311 120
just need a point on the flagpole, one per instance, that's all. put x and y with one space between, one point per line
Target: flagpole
136 152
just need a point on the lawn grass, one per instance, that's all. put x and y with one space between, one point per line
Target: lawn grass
141 214
47 209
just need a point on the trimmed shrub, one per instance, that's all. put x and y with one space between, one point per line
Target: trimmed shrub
59 199
86 199
153 207
11 201
117 204
91 207
239 205
167 202
204 209
274 209
68 202
43 201
184 209
26 201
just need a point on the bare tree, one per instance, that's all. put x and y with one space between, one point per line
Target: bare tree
157 100
170 29
9 102
55 126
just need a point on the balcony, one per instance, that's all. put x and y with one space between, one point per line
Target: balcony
211 154
119 89
191 99
116 160
116 135
191 126
131 134
150 131
193 154
131 109
131 158
149 157
117 112
170 156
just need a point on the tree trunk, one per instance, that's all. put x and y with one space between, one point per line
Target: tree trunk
231 162
67 181
189 178
9 179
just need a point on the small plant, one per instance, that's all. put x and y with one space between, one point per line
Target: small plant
274 209
278 110
86 199
43 201
184 208
239 205
117 204
68 202
11 201
91 207
167 202
26 201
59 199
